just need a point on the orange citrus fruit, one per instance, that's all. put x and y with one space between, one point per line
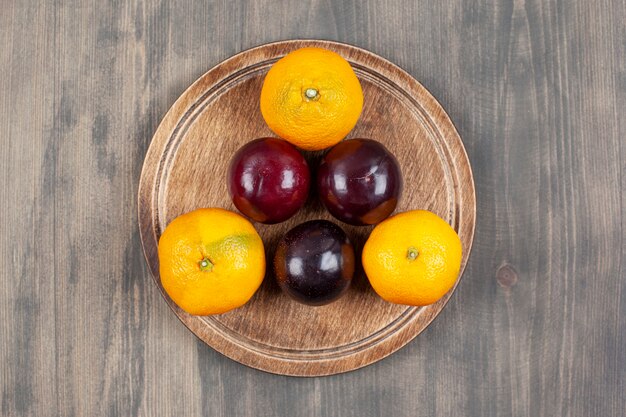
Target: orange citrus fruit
312 98
211 261
412 258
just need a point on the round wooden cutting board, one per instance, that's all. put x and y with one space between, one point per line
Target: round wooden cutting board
185 168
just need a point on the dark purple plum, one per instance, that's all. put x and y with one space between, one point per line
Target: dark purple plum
359 181
314 262
268 180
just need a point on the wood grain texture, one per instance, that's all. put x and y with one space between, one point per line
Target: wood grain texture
185 169
537 90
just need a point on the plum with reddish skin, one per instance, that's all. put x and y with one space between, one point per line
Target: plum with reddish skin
359 181
268 180
314 262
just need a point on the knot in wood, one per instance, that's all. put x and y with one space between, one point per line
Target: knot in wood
506 276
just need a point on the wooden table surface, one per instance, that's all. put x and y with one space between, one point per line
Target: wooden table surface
537 90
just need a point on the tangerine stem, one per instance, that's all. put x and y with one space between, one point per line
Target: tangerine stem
205 265
311 93
412 253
